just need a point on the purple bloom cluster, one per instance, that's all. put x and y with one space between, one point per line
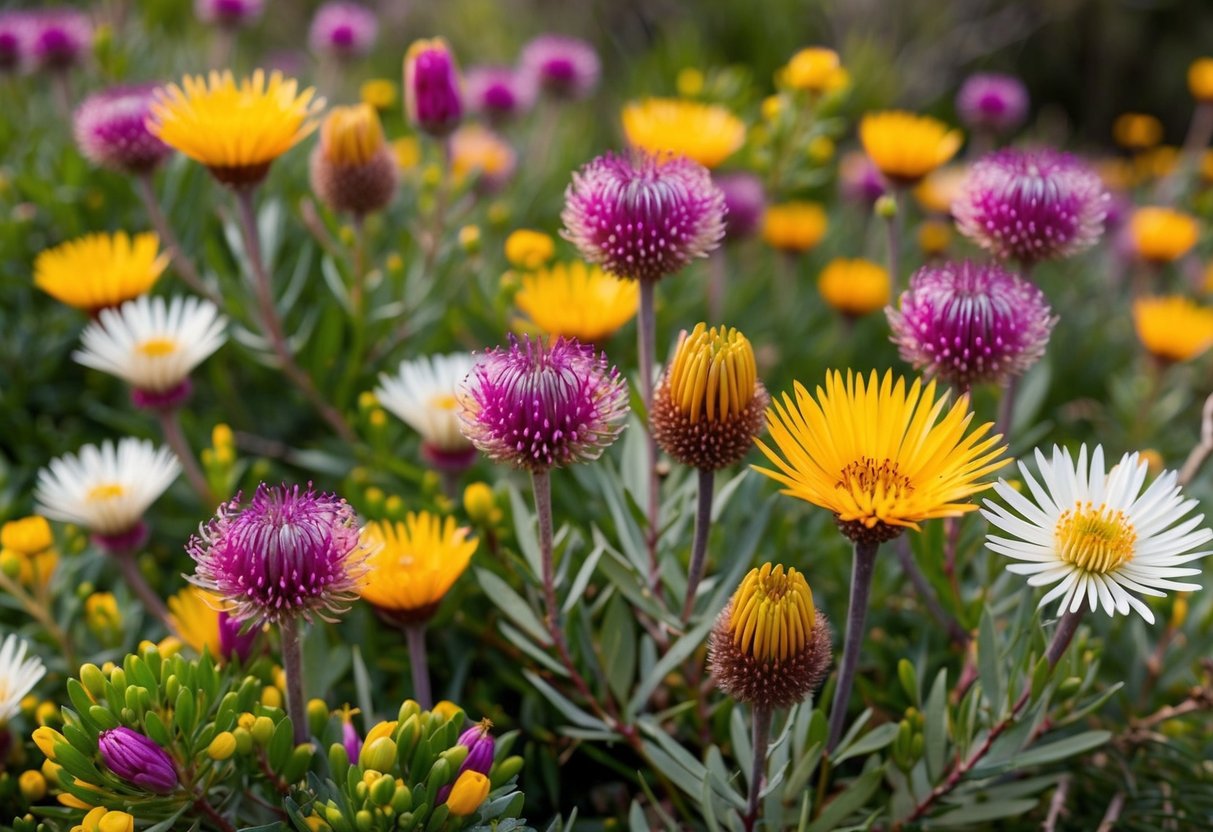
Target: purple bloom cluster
1031 205
137 759
45 39
13 26
111 130
563 67
745 200
343 30
992 102
229 14
539 406
432 95
643 217
500 93
969 323
289 552
481 747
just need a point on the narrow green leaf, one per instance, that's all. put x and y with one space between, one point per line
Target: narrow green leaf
513 605
571 712
675 656
849 802
1048 753
582 580
935 728
983 813
874 740
989 668
524 531
619 646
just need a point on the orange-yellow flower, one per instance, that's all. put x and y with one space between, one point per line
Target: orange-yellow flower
904 146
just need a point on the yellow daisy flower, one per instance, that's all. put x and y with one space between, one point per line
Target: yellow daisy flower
98 271
235 129
577 300
414 564
880 457
794 227
904 146
854 287
1162 235
706 133
1173 328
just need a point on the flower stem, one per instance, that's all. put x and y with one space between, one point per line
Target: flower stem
1006 409
862 569
135 581
40 611
761 732
894 225
541 483
433 240
419 665
359 266
699 548
647 335
182 263
292 668
170 426
273 324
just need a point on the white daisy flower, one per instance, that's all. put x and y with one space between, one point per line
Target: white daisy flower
151 343
1095 534
106 489
422 395
18 675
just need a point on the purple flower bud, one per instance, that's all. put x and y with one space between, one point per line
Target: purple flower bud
499 93
351 740
969 323
232 641
745 200
289 552
991 102
137 759
481 747
14 28
1031 205
57 38
562 67
542 407
343 30
111 130
643 217
229 14
432 96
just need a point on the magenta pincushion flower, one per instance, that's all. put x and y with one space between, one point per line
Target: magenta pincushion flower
969 323
433 95
111 130
745 200
57 38
641 216
992 102
1031 205
499 93
291 552
229 14
563 67
137 759
539 407
343 30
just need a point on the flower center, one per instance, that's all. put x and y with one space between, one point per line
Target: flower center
713 374
1094 539
773 614
105 491
156 347
443 401
866 476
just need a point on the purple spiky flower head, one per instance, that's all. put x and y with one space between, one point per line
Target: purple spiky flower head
641 216
229 14
342 30
992 102
969 323
563 67
500 93
111 130
745 200
57 38
291 552
14 28
1031 205
541 406
137 759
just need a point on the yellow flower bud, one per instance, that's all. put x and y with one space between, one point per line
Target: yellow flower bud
116 822
528 249
33 785
468 793
380 93
27 536
446 709
469 238
222 746
689 82
382 729
46 738
271 697
479 504
379 755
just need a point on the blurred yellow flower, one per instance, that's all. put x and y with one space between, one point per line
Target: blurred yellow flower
772 106
577 300
706 133
480 505
27 536
820 150
1136 131
689 82
194 614
939 188
1155 163
380 93
351 135
934 237
97 271
414 564
854 287
904 146
1162 235
103 617
1173 328
815 69
529 249
27 552
794 227
235 129
477 150
407 151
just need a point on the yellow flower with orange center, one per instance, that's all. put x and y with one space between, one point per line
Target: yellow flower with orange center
577 300
414 564
854 287
1173 328
794 227
1162 235
98 271
706 133
904 146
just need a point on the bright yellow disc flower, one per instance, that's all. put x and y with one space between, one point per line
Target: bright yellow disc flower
881 457
854 287
235 129
1173 328
794 227
904 146
706 133
414 564
577 300
98 271
1162 235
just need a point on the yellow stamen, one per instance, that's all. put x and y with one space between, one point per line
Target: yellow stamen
773 613
106 491
351 135
1095 539
157 347
443 401
713 372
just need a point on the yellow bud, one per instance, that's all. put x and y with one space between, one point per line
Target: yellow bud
394 262
468 793
690 82
222 436
27 536
407 152
1200 79
262 730
382 729
479 504
271 697
380 93
50 770
47 712
1179 611
393 504
499 213
379 755
116 822
815 69
529 249
46 738
469 238
222 746
32 785
446 709
820 150
772 106
10 563
378 418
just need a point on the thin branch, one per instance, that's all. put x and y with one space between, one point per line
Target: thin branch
926 593
1198 455
1113 813
1057 805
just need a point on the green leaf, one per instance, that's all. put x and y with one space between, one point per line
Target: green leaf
935 728
989 669
619 646
583 578
675 656
982 813
524 531
512 605
909 681
571 712
282 742
1048 753
850 801
183 713
169 823
874 740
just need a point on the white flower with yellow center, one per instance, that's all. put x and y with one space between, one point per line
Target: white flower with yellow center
18 675
151 343
1096 535
422 395
106 489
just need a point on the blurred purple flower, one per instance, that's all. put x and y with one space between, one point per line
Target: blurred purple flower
745 200
433 99
229 14
992 102
110 130
499 93
859 180
232 641
14 33
563 67
343 30
57 38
